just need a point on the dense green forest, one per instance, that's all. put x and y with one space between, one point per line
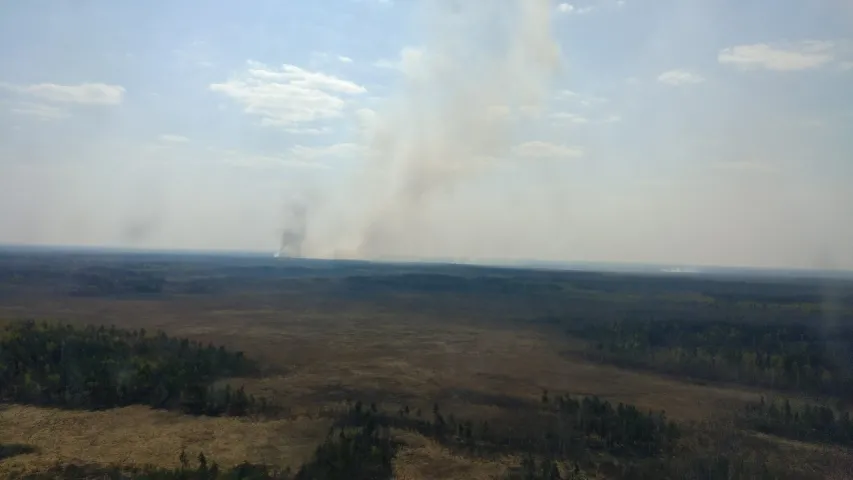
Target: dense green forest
98 367
787 357
806 422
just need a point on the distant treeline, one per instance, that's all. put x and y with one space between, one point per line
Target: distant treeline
443 283
116 281
98 367
749 292
789 357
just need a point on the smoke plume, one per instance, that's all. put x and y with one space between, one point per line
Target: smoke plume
483 67
293 234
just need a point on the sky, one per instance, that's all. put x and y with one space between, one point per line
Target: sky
692 132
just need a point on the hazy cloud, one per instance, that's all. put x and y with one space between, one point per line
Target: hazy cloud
568 117
238 158
583 99
680 77
539 149
84 93
308 130
745 166
336 150
169 138
568 8
804 55
410 60
40 110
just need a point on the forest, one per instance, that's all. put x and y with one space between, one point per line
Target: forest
98 367
524 374
805 422
786 357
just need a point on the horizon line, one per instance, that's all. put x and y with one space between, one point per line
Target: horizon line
632 266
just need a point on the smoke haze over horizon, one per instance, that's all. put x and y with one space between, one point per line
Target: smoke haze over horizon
676 132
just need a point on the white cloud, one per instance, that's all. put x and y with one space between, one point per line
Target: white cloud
567 117
40 110
539 149
309 130
586 100
288 97
570 118
846 65
84 93
169 138
319 59
334 150
366 117
680 77
386 3
803 55
565 94
568 8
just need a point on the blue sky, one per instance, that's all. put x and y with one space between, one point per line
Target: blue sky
682 131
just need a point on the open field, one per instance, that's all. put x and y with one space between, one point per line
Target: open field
483 343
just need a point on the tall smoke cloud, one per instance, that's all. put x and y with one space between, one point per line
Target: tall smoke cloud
293 233
483 68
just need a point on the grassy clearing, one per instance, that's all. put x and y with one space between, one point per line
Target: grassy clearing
141 436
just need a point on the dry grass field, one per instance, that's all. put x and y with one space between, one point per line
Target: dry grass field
318 351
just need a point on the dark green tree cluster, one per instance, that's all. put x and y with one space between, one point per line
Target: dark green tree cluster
568 428
621 430
788 357
362 453
545 468
807 422
705 466
98 367
8 450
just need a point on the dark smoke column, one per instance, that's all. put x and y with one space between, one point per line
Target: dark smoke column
293 235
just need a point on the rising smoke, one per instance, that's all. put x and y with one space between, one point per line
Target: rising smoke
484 65
293 234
